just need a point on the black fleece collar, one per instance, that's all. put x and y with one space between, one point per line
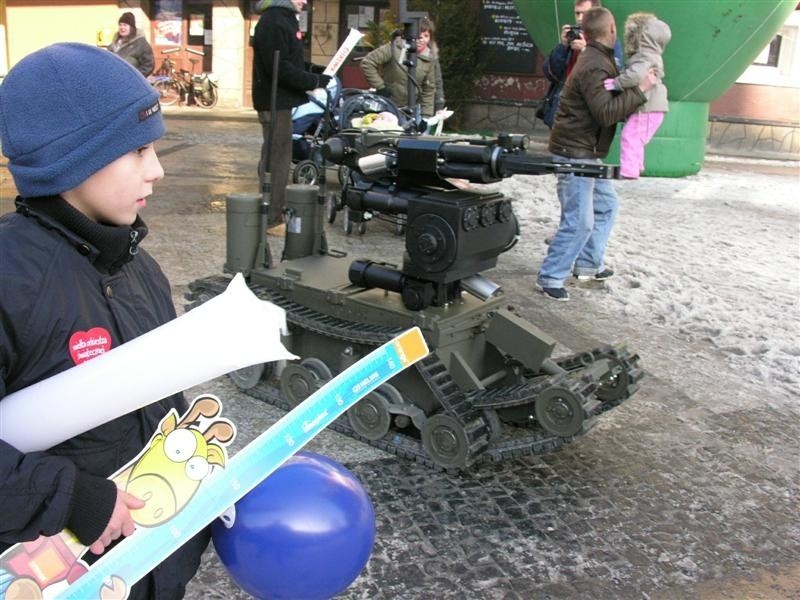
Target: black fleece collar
109 247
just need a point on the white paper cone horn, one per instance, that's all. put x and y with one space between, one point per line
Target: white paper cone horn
229 332
343 52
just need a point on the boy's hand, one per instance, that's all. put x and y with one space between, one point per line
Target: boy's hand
121 522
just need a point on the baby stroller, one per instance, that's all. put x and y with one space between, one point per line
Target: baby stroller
312 123
366 110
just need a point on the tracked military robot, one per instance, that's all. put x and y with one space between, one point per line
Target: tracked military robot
491 389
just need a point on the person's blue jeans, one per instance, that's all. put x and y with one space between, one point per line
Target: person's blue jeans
588 209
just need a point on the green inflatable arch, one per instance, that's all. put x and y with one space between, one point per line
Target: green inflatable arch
713 42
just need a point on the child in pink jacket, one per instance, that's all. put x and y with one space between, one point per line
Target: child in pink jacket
645 39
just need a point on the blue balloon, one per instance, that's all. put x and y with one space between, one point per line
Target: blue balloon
304 533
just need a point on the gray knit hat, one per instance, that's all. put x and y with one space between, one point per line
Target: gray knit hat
265 4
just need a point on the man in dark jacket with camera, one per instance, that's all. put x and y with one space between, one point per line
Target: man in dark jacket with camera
584 127
278 29
559 63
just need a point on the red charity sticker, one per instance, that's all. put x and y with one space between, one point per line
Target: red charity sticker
85 345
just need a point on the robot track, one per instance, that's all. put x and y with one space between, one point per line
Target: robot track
539 415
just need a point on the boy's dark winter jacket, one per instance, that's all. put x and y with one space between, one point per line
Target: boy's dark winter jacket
278 29
62 275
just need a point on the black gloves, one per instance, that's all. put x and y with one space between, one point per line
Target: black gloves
322 80
384 91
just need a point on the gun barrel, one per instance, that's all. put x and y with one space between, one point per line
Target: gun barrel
426 160
529 164
467 153
484 163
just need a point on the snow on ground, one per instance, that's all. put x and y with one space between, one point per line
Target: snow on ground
706 264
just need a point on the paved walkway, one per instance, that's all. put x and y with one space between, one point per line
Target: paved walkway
672 496
690 490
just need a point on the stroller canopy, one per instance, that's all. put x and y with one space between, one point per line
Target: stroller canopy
306 116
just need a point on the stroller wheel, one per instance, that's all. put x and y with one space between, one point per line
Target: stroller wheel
331 208
347 221
305 171
344 174
362 228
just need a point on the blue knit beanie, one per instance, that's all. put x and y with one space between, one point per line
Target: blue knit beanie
67 111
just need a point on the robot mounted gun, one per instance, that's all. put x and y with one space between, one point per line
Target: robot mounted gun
452 233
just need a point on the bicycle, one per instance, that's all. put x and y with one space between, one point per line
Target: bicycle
179 85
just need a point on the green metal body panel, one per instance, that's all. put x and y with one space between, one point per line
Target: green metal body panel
243 231
457 331
304 228
515 336
321 283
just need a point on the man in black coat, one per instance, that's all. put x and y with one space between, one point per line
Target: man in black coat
278 29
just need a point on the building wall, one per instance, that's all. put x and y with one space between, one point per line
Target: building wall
34 24
759 103
228 38
765 91
760 113
324 31
762 110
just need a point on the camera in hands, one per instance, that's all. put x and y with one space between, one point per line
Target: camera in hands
573 33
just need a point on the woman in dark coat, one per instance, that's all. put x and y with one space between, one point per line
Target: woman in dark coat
131 45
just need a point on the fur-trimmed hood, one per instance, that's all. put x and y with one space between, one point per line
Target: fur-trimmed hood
645 32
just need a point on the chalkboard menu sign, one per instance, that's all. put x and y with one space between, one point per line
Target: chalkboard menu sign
505 43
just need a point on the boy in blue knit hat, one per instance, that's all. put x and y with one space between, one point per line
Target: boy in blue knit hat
78 125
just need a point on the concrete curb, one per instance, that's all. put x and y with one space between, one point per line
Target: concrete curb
214 114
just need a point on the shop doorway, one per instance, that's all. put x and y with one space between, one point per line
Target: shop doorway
182 30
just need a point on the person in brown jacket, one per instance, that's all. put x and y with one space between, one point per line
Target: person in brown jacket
584 127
